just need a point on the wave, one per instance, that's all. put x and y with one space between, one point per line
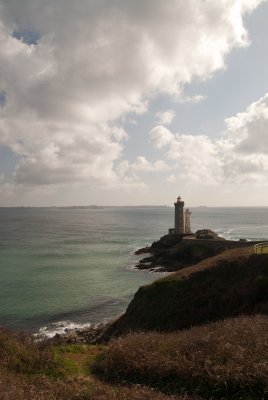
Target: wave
59 328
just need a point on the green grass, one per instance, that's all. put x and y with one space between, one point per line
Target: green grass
77 358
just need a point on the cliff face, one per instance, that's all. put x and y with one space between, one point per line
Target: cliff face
230 284
174 252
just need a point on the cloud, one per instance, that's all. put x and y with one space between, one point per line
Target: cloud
245 144
74 156
130 173
192 99
160 136
142 164
165 117
172 178
239 155
247 132
196 157
71 70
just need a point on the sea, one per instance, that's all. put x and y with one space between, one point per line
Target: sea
66 268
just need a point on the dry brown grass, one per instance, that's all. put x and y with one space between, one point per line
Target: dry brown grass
228 359
239 254
21 387
135 392
19 353
14 387
28 371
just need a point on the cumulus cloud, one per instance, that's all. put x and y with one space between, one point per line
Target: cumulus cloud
165 117
244 145
92 62
129 172
142 164
240 155
160 136
196 156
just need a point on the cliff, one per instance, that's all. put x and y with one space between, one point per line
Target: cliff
232 283
174 252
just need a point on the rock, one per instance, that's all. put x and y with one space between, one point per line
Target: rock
82 336
207 234
144 250
170 253
165 242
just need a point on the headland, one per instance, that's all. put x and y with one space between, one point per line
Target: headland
199 333
181 247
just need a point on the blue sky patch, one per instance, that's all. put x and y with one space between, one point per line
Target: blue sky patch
8 161
2 99
26 36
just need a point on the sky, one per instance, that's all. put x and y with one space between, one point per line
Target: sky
123 102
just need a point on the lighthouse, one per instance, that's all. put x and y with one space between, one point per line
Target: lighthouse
179 216
182 224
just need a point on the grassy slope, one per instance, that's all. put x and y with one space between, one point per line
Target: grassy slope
224 360
227 359
230 284
30 371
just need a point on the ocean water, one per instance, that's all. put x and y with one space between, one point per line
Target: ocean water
71 267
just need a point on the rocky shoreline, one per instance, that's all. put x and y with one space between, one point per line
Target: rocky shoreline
170 253
89 335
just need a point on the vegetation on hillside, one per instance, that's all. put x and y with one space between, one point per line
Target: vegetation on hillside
227 285
222 360
228 359
32 371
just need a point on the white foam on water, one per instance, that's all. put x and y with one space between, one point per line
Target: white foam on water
60 328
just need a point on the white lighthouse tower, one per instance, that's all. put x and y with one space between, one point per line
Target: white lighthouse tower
179 216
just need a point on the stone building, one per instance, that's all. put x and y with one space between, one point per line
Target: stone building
182 219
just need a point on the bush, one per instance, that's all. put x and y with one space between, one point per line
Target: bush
101 391
19 353
22 387
223 360
28 371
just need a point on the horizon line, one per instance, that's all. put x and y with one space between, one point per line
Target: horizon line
132 206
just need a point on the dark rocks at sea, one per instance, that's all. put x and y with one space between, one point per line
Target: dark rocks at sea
87 335
170 253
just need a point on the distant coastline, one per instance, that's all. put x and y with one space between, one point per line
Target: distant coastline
93 206
88 207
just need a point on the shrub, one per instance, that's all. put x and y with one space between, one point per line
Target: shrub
19 353
22 387
101 391
222 360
